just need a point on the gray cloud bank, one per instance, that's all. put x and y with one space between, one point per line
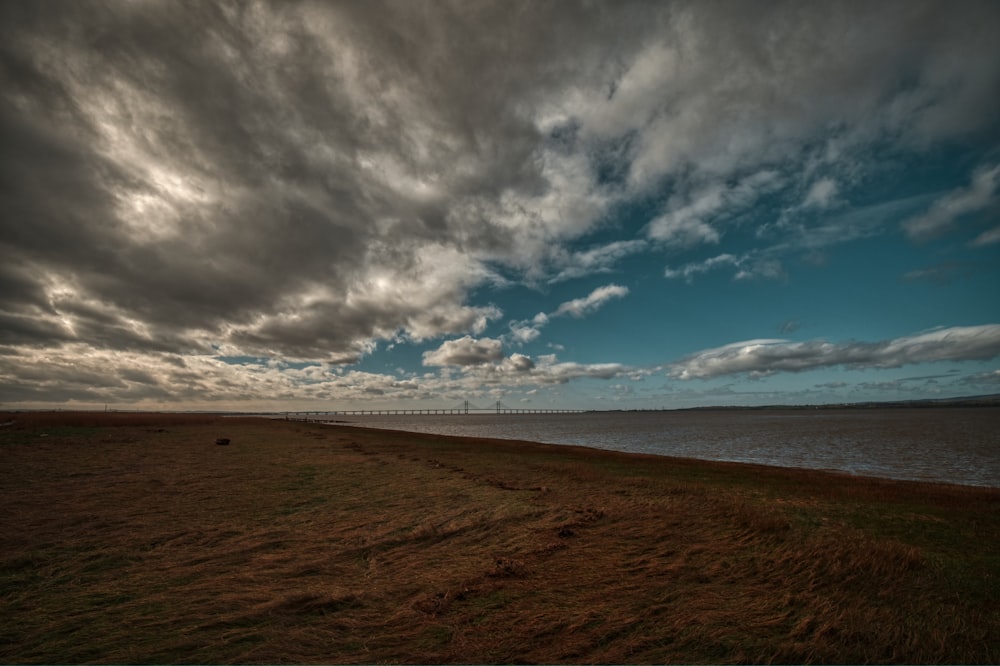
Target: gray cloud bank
303 180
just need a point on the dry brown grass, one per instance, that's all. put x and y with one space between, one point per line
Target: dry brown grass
146 542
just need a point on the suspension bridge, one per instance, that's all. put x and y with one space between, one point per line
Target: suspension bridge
465 408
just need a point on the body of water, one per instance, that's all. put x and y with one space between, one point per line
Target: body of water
951 445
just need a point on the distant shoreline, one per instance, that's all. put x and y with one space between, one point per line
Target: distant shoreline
992 400
989 400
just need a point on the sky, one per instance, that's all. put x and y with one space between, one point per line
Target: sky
579 205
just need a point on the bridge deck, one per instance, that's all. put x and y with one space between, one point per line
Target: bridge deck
318 415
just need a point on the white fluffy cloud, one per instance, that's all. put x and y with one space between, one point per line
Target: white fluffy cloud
483 360
526 331
760 357
465 351
687 221
689 271
945 213
988 237
579 307
821 194
600 259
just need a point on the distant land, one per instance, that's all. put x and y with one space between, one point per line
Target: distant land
992 400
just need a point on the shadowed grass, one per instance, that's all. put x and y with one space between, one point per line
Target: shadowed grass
134 538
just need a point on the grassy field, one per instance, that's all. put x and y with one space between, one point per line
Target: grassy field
135 538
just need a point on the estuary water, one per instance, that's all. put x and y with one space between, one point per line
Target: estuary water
950 445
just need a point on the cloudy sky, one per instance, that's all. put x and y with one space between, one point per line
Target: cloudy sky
321 205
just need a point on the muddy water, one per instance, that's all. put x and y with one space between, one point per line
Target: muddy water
952 445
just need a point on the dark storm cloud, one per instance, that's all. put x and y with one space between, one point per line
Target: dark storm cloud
88 79
306 179
197 166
